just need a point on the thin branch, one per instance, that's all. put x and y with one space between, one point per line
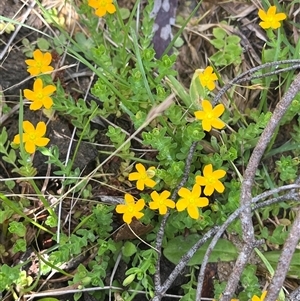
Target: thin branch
160 233
285 259
246 218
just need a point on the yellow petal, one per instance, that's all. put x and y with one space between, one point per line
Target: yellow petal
271 11
17 139
218 124
111 8
30 95
206 105
200 115
255 298
41 128
193 212
208 70
29 147
206 125
140 204
275 25
41 141
139 215
202 202
218 174
47 58
218 110
37 85
196 190
28 126
140 185
162 210
280 16
219 186
201 180
153 205
128 199
121 208
48 90
93 3
47 102
127 217
38 55
150 183
184 192
211 85
165 194
213 77
33 71
45 69
181 205
208 190
170 203
36 105
154 195
265 25
30 62
263 296
207 170
100 12
140 168
262 14
134 176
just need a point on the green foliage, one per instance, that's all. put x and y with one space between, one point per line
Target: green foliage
250 283
229 48
287 168
179 245
129 82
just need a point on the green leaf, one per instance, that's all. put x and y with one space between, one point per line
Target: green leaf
17 228
294 269
219 44
178 246
43 44
219 33
125 13
129 249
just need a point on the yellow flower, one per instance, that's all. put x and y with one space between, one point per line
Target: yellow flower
131 209
102 7
32 137
210 116
161 201
210 180
40 96
261 298
191 200
270 19
40 63
143 176
207 78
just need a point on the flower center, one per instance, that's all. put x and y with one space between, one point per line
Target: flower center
130 209
39 95
39 64
209 115
32 136
206 79
211 180
192 200
103 3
